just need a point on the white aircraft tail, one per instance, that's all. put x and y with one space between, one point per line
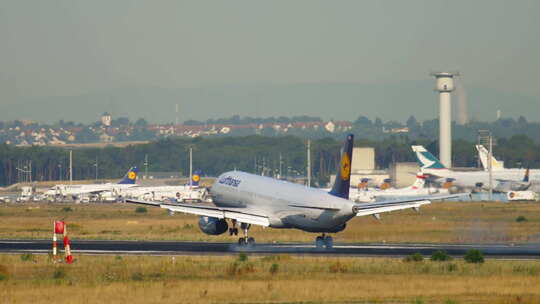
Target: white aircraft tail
425 159
483 155
419 182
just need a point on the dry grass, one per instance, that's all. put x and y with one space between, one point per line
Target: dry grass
439 222
143 279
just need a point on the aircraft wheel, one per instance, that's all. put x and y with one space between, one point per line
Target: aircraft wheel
231 231
319 242
329 242
241 242
251 241
235 231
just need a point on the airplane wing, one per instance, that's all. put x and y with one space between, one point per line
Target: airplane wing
510 185
400 204
211 211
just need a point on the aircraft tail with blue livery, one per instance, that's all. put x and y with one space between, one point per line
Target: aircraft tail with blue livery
196 178
343 176
130 177
425 159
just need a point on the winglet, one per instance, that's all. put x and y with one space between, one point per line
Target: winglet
343 175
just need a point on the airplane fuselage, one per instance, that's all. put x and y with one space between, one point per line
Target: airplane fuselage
290 205
66 190
472 179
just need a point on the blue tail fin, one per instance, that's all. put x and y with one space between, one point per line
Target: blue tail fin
130 177
425 159
196 178
526 177
343 176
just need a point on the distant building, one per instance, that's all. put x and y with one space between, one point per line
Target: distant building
403 174
363 167
330 127
396 130
106 119
27 122
106 138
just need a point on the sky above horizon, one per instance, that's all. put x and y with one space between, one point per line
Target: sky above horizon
75 47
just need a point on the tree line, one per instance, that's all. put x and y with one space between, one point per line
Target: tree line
258 154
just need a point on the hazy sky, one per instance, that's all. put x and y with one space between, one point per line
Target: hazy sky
69 48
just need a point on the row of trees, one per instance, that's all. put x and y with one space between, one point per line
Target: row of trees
363 127
251 153
237 120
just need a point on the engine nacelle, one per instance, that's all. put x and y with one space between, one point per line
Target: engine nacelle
338 228
212 225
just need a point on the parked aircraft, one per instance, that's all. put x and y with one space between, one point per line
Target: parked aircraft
184 193
416 189
246 199
430 165
65 190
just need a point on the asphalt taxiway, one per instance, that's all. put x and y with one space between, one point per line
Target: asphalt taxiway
510 251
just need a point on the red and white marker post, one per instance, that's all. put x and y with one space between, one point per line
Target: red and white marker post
61 228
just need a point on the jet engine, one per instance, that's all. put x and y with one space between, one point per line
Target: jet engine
212 225
338 228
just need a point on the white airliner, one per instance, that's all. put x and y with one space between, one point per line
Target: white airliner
416 189
183 193
66 190
526 183
246 199
430 165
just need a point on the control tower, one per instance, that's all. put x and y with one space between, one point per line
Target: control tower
445 85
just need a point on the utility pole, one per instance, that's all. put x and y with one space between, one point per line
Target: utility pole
255 165
96 165
25 173
486 137
308 163
70 166
280 165
190 165
490 167
146 166
176 119
30 171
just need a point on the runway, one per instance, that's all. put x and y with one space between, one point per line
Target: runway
528 251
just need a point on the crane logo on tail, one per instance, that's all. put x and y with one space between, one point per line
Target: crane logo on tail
132 175
345 167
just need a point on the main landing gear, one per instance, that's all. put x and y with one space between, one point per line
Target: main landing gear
324 241
245 240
